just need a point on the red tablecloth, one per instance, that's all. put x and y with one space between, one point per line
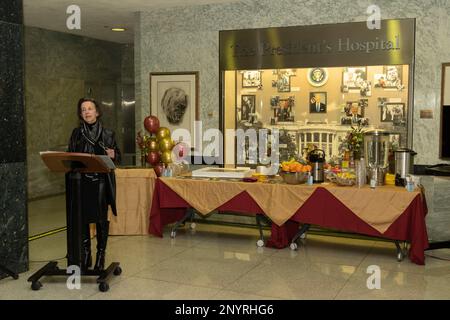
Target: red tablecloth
321 209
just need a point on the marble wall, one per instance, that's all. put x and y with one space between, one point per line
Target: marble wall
13 175
187 39
59 69
437 193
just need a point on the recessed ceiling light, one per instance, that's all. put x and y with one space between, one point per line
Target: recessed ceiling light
118 29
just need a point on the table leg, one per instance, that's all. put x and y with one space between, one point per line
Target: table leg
189 215
301 234
259 219
401 252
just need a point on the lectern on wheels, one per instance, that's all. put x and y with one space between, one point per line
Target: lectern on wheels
74 164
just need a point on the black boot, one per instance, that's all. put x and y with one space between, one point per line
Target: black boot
86 257
102 239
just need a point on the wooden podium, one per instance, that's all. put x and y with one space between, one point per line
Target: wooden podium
74 164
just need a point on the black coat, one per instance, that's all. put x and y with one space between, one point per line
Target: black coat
97 190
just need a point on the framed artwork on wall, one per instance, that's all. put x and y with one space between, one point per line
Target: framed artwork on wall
251 79
391 78
174 100
284 80
248 106
354 112
285 112
354 78
393 112
317 102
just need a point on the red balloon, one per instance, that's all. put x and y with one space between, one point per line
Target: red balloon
153 157
159 168
151 124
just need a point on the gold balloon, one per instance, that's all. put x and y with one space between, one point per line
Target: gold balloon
153 144
166 144
163 133
166 157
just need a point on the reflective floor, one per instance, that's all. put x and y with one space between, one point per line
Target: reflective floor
217 262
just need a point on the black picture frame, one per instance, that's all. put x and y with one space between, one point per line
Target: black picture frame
248 106
394 113
313 100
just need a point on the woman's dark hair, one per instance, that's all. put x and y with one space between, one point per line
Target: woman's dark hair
97 107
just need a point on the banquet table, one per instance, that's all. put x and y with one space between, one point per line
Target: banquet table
387 212
134 191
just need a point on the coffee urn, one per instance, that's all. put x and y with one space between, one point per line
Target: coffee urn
317 159
404 165
376 148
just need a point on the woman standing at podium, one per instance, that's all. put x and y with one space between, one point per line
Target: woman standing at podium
98 190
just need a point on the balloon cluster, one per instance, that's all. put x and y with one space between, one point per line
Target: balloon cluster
156 147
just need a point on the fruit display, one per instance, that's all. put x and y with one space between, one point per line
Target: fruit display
346 175
293 172
294 166
335 169
347 178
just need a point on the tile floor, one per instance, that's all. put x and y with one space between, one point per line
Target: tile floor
218 262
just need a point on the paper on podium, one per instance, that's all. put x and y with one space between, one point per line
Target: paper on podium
108 162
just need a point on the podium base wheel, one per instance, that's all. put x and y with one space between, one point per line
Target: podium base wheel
36 285
117 271
103 287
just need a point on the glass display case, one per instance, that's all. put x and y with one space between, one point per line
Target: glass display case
314 106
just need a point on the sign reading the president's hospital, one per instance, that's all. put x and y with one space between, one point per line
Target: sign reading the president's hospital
336 45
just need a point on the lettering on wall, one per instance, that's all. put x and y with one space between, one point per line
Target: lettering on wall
342 45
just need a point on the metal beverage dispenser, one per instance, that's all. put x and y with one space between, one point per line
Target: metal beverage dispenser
376 147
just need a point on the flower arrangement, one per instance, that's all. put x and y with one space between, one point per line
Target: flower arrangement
354 141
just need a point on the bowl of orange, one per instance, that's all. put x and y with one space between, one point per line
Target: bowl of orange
294 172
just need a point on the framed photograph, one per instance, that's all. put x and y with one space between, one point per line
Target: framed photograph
284 80
251 79
317 77
394 140
248 106
394 76
174 100
354 78
391 78
363 103
380 80
285 112
274 101
354 110
393 112
317 102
